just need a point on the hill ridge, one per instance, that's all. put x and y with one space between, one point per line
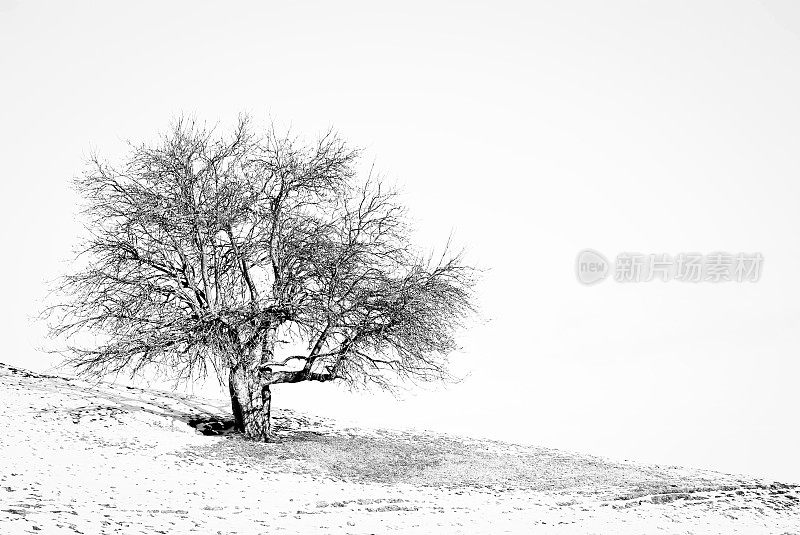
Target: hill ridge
154 450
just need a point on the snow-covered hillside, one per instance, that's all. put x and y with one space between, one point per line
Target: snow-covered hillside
79 457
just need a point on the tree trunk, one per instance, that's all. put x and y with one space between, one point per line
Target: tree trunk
250 402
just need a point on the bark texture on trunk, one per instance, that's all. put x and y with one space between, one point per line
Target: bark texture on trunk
250 380
250 402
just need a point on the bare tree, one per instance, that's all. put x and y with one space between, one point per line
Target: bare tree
225 254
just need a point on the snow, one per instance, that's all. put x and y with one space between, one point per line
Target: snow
79 457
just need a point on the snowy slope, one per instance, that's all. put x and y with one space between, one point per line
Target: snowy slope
79 457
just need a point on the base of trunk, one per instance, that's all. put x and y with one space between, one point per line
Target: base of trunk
250 403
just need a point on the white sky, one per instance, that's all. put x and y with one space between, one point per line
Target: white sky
532 130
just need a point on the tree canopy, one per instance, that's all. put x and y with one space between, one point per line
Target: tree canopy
254 251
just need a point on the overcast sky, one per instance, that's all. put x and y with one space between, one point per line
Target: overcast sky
531 130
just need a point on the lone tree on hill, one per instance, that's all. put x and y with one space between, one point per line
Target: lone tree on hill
258 258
